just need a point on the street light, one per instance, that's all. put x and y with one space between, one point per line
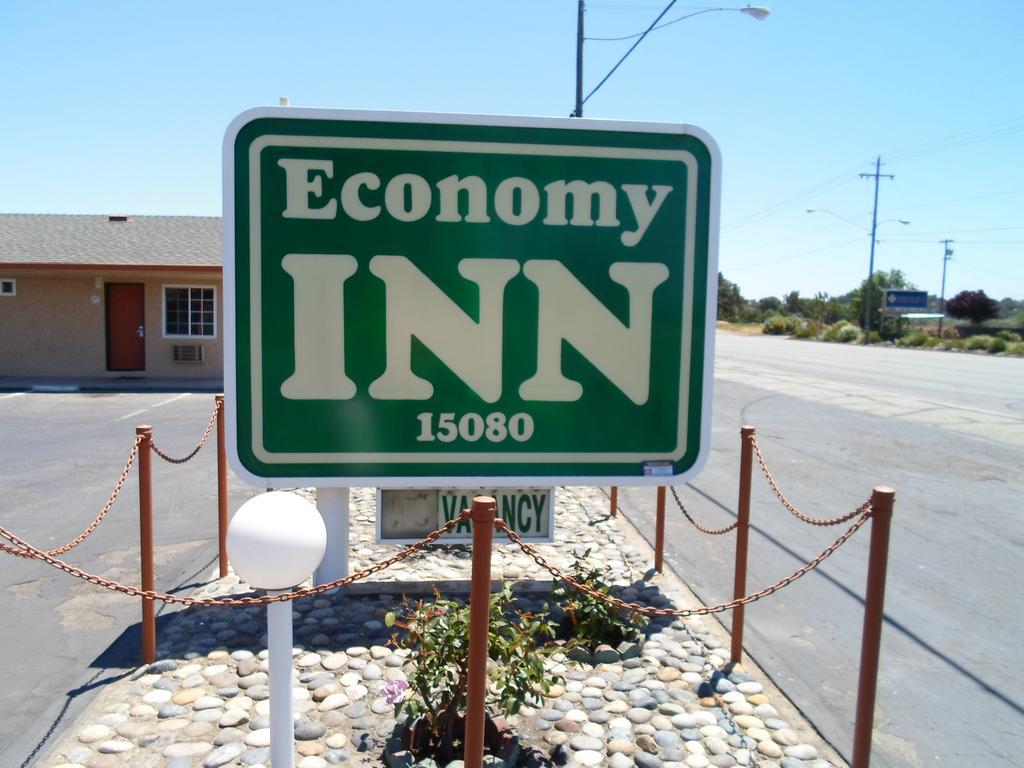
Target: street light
758 12
871 262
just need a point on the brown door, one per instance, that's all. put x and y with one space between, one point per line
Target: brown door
126 327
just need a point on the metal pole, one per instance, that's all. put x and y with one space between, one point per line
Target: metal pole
578 112
871 260
222 490
946 256
279 653
615 500
659 531
742 536
146 541
874 604
483 513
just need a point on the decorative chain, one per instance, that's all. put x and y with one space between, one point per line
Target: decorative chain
698 526
25 547
202 440
787 503
864 510
19 552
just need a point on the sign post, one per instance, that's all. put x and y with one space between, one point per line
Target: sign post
420 300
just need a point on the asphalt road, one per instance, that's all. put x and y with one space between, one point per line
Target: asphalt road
61 638
947 432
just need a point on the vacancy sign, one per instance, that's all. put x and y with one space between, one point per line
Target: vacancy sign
419 300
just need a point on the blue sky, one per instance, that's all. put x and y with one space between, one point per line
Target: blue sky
117 107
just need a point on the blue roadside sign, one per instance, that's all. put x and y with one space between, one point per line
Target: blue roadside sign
897 302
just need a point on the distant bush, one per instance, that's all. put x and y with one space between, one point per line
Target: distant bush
981 342
1008 336
1015 348
806 330
998 345
842 332
780 325
918 339
931 341
953 343
875 338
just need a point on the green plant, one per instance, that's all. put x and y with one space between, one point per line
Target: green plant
437 634
917 339
591 621
998 345
931 341
842 332
875 338
980 342
1008 336
1015 348
806 330
779 325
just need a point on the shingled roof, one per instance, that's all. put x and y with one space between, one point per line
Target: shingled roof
188 241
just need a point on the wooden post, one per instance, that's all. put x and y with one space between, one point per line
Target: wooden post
615 500
742 536
146 541
659 531
222 489
483 514
882 499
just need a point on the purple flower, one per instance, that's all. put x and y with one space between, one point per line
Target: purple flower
394 691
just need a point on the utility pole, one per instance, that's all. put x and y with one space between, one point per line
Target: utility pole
871 262
947 254
578 112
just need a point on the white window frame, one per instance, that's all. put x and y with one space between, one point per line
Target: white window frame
14 286
163 312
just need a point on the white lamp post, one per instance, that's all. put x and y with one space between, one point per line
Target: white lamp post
275 540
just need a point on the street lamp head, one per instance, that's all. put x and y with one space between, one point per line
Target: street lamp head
758 12
902 221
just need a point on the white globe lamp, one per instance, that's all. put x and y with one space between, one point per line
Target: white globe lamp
275 540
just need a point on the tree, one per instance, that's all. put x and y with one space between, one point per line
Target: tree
730 301
879 282
793 303
769 305
824 309
974 306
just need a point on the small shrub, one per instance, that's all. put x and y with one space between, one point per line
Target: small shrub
914 340
981 342
930 342
875 338
1008 336
806 330
779 325
1015 348
591 622
437 634
998 345
842 332
953 343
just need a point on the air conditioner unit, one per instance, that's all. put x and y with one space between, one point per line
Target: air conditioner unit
187 353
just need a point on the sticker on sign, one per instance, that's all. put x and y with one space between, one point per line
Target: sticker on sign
420 300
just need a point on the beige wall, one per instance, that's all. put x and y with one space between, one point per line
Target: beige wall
56 325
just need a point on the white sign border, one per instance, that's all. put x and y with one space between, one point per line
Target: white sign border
230 372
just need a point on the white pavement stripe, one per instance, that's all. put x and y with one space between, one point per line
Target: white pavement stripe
12 394
157 405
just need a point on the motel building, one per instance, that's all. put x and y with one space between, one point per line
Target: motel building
111 297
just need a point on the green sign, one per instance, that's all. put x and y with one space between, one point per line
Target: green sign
430 300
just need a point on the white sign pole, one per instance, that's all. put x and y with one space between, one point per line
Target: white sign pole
333 505
279 650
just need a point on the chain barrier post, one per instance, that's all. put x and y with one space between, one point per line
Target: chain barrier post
146 540
222 489
742 536
659 531
615 500
483 515
882 498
